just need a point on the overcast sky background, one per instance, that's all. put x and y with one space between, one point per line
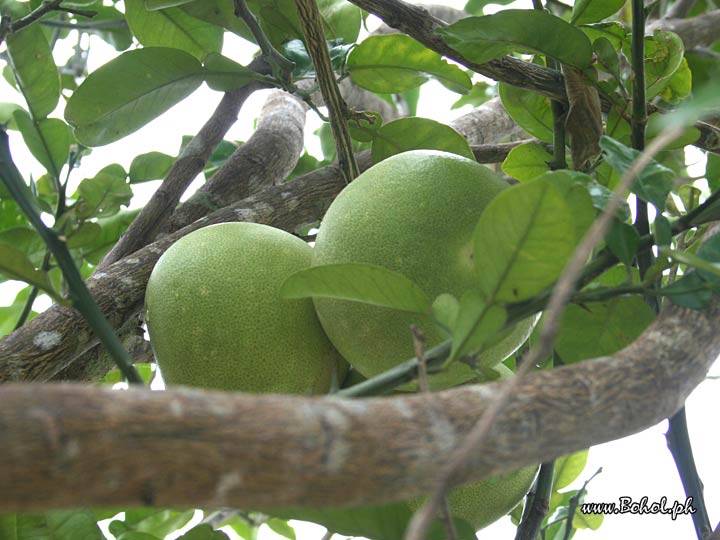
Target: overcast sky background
636 466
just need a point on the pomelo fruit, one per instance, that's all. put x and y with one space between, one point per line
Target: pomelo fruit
216 318
413 213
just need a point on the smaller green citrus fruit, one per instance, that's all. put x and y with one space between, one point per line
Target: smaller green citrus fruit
216 318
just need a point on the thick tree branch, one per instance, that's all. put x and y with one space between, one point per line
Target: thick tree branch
420 24
189 164
210 448
265 159
698 31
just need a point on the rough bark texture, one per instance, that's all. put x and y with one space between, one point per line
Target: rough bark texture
69 446
700 31
266 158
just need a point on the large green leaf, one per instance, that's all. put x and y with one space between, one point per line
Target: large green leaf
526 235
654 182
102 195
568 468
365 283
129 91
150 166
9 316
475 326
663 56
529 110
416 133
47 139
172 27
223 74
70 525
601 328
30 56
482 39
395 63
527 161
14 264
590 11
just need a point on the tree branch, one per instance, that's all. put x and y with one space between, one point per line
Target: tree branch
267 157
210 448
698 31
189 164
50 342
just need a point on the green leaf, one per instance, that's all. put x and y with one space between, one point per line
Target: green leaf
27 240
377 522
587 521
395 63
574 187
616 33
710 270
476 324
102 195
281 527
663 56
7 110
525 236
157 522
445 309
30 57
679 86
527 161
479 94
656 123
529 110
623 240
601 328
9 316
16 265
172 28
48 140
153 5
691 291
416 133
296 52
364 283
203 532
134 535
654 182
481 39
85 234
590 11
224 75
70 525
568 468
129 91
150 166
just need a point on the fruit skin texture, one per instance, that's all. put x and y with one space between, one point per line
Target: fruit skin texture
482 503
413 213
216 318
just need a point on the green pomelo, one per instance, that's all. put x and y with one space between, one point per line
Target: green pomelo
216 318
413 213
484 502
477 504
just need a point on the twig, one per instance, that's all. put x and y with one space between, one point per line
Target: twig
678 442
538 504
328 535
679 9
574 501
281 67
317 48
82 300
561 294
39 12
639 119
496 153
86 25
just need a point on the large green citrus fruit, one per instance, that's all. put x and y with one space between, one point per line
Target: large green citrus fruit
413 213
216 318
482 503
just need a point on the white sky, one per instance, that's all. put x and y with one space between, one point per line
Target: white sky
635 466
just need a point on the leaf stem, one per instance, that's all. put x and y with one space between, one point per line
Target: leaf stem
81 298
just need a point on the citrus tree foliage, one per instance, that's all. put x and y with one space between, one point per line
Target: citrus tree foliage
167 49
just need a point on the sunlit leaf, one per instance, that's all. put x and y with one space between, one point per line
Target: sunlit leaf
416 133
